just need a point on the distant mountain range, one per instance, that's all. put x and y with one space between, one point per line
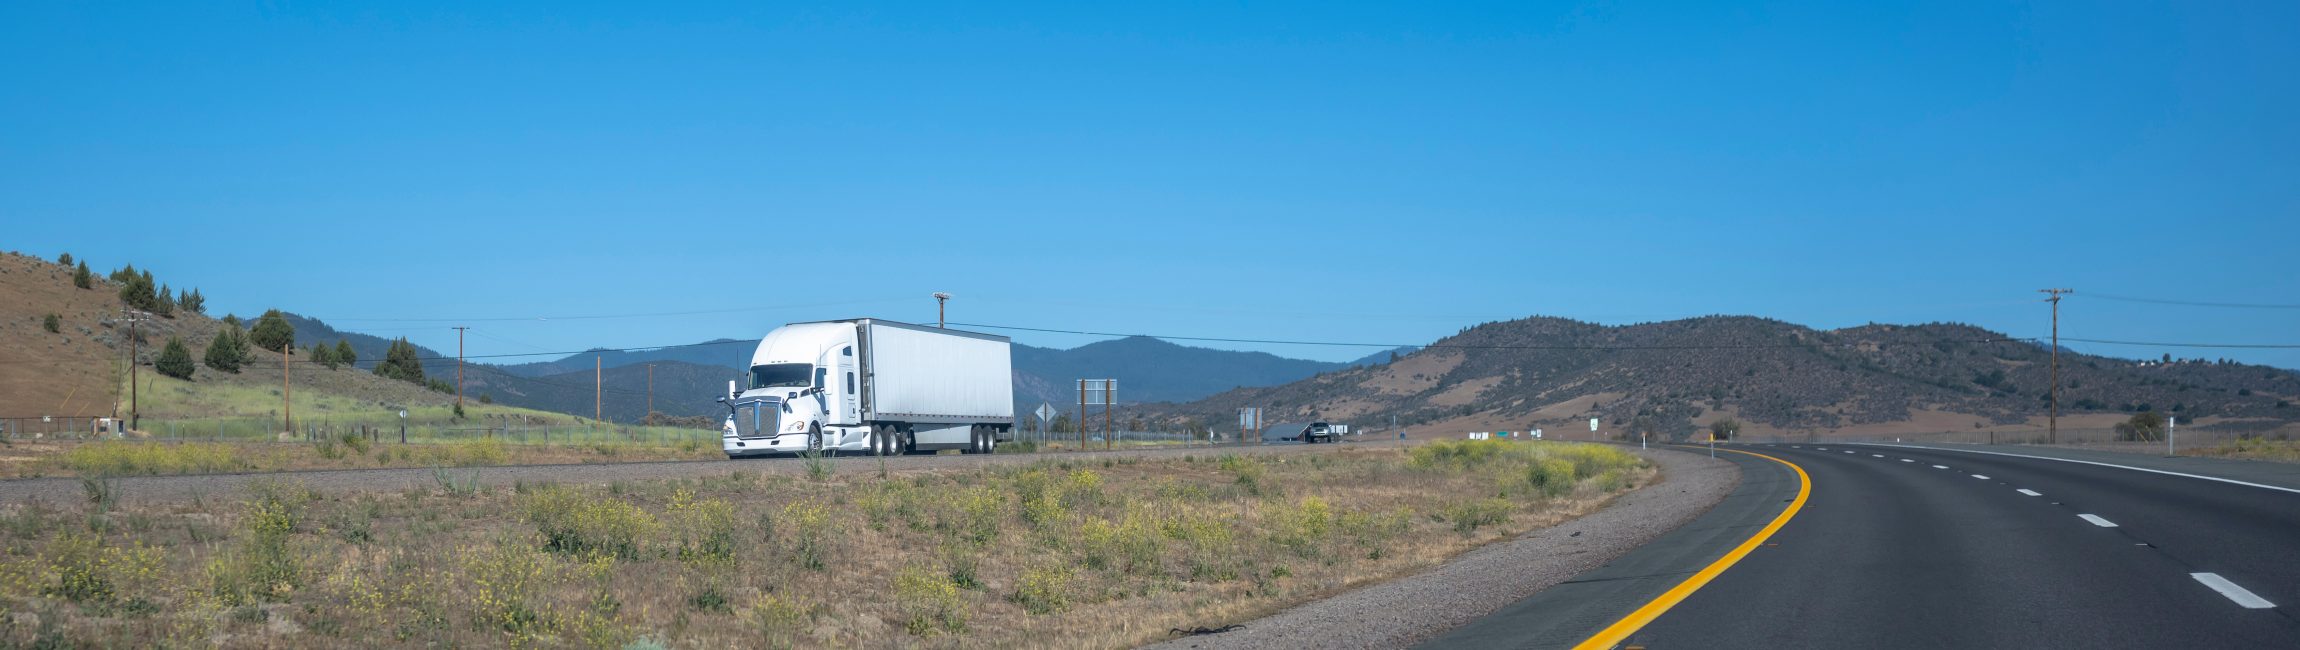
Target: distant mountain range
688 379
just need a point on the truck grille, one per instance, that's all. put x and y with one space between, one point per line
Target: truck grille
758 419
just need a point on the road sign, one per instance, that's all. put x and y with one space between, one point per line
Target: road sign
1045 413
1593 424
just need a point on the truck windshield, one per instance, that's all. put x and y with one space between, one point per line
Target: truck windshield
782 375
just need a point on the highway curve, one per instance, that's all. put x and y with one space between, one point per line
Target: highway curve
1901 547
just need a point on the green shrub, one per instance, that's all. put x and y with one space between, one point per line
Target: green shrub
1302 529
705 528
89 572
1043 590
126 458
508 581
929 601
1249 472
810 533
52 323
1468 516
578 524
779 620
1552 477
263 567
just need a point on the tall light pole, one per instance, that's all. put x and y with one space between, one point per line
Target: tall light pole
940 299
2052 421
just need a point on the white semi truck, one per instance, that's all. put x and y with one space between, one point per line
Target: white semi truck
871 385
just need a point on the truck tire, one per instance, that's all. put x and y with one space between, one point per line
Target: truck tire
815 438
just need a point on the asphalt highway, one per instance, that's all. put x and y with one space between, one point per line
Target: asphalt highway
1898 547
1920 548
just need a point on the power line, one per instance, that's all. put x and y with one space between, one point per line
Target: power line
2248 346
1458 346
2191 303
698 312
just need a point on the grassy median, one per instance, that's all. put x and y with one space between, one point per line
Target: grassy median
1102 553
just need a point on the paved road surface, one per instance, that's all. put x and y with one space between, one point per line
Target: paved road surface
1928 548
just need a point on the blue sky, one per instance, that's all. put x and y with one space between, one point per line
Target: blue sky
1332 171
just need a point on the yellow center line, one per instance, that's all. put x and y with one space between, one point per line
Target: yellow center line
1620 630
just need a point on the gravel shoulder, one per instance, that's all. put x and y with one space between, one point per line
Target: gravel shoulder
1410 610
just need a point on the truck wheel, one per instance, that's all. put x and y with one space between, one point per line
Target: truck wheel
989 441
815 438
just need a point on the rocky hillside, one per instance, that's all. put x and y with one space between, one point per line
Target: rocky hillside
1672 376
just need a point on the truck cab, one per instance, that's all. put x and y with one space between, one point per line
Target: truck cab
802 393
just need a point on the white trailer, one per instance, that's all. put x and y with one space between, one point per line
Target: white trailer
871 385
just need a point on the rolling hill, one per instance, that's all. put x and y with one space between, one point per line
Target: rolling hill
1776 376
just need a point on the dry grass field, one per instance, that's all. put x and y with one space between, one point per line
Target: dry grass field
1060 553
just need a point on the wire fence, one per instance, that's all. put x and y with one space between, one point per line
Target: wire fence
257 429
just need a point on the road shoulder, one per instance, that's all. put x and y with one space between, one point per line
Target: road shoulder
1420 607
1563 616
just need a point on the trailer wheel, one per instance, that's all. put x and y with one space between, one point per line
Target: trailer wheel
989 440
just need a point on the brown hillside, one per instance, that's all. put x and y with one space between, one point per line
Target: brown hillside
81 371
69 373
1670 377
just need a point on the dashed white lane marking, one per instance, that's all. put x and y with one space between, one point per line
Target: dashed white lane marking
1905 460
1940 467
1848 452
1878 455
2097 521
1981 477
2244 597
2030 492
2087 462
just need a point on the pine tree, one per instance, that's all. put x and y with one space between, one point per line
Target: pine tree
227 351
192 302
399 362
175 360
320 354
82 278
64 259
272 331
343 353
122 274
164 303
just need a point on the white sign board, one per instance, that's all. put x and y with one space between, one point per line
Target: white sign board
1537 434
1046 413
1593 424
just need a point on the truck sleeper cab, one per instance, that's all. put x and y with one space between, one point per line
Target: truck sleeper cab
871 385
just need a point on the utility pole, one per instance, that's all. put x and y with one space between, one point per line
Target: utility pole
459 366
598 392
2052 420
940 300
287 390
1081 415
650 389
135 415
